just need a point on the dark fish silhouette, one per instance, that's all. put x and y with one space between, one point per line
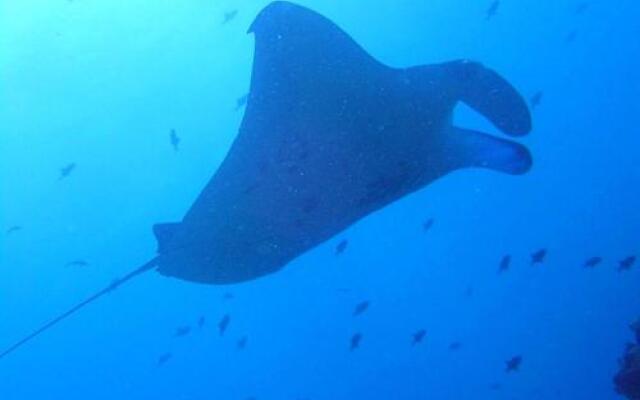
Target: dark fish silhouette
495 386
175 140
241 101
355 341
581 8
228 296
428 224
224 324
493 9
468 292
201 322
536 99
538 257
455 346
342 246
360 308
505 263
242 343
13 229
626 263
77 263
571 36
182 331
513 364
228 16
313 155
592 262
418 337
66 170
164 358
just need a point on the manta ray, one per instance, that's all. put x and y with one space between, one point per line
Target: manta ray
329 136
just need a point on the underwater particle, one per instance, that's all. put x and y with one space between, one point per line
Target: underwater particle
13 229
241 101
538 256
361 308
174 140
242 343
342 246
455 346
505 263
513 364
626 263
164 358
182 331
428 224
201 322
229 16
418 337
536 99
66 170
224 324
592 262
355 341
77 263
493 9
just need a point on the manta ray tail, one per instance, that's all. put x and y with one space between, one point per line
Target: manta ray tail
114 285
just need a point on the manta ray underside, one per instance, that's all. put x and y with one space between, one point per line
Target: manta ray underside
329 136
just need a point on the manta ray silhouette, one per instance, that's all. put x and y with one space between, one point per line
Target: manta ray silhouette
329 136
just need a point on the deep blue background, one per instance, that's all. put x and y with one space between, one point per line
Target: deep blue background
101 83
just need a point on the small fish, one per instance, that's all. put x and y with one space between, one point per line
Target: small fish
13 229
493 9
418 336
242 343
571 37
536 99
164 358
77 263
228 296
505 263
538 257
468 292
241 101
428 224
228 16
224 324
182 331
342 246
355 341
175 140
581 8
455 346
360 308
626 263
592 262
495 386
513 364
201 322
66 170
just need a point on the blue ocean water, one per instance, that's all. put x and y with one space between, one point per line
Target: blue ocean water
101 85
